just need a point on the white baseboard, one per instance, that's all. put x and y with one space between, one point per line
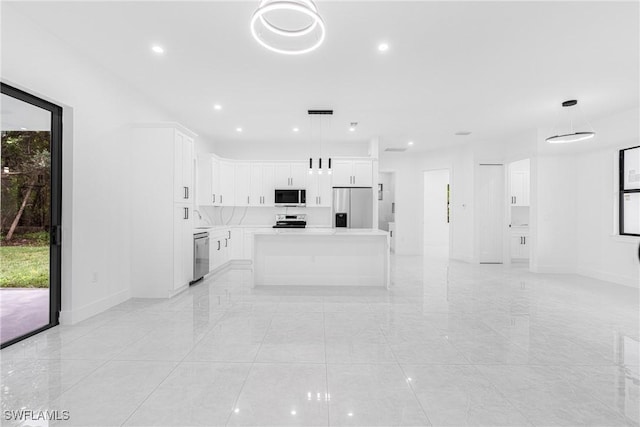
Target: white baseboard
553 269
632 282
71 317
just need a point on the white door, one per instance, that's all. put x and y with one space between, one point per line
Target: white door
313 198
242 183
215 181
342 173
299 172
362 173
325 192
436 215
268 184
227 178
282 175
491 213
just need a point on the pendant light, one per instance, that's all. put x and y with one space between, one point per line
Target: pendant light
569 134
320 114
307 36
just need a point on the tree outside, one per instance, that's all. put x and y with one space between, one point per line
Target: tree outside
24 209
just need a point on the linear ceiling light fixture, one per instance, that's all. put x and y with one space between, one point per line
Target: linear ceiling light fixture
569 134
299 28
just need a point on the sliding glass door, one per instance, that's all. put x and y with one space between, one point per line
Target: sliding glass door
30 216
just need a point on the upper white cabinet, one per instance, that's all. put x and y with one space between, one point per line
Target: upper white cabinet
319 190
519 183
290 175
204 182
183 167
352 173
242 184
226 183
262 184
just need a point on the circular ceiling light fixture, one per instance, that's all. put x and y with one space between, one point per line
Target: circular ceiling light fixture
289 27
569 134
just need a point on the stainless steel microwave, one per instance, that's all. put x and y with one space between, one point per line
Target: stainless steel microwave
290 197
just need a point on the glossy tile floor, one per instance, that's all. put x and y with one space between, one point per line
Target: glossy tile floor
449 344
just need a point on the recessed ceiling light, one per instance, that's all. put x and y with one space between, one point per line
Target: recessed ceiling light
383 47
293 412
352 126
157 49
410 143
463 133
217 107
296 129
238 129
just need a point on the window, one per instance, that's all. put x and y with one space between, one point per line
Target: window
630 191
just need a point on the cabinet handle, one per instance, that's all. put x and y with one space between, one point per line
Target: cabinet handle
229 231
186 213
524 239
226 241
515 199
218 244
393 207
221 198
214 198
391 233
354 179
247 199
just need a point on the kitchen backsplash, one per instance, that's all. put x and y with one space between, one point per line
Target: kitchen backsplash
217 215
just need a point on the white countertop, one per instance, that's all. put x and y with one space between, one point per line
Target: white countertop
322 232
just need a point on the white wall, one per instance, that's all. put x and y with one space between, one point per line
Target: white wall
97 109
409 168
576 209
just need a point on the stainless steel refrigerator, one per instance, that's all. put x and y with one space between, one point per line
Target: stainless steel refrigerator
352 207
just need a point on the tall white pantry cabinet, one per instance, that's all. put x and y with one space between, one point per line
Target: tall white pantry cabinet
162 202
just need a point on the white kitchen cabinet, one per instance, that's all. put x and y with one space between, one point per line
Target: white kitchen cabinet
519 188
161 220
291 175
204 180
182 245
226 182
183 167
247 241
319 190
352 173
215 181
519 244
242 188
219 248
262 184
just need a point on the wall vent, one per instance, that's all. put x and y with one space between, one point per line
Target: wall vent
395 150
320 112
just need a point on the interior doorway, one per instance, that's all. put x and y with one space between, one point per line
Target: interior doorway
437 213
30 246
491 213
387 205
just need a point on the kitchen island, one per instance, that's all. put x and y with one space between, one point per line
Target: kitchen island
321 257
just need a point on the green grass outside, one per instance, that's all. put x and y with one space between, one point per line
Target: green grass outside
24 266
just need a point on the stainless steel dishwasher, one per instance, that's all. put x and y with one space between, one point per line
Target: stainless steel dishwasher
200 256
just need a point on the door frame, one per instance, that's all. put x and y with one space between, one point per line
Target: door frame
55 247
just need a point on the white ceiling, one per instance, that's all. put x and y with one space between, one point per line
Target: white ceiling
492 68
